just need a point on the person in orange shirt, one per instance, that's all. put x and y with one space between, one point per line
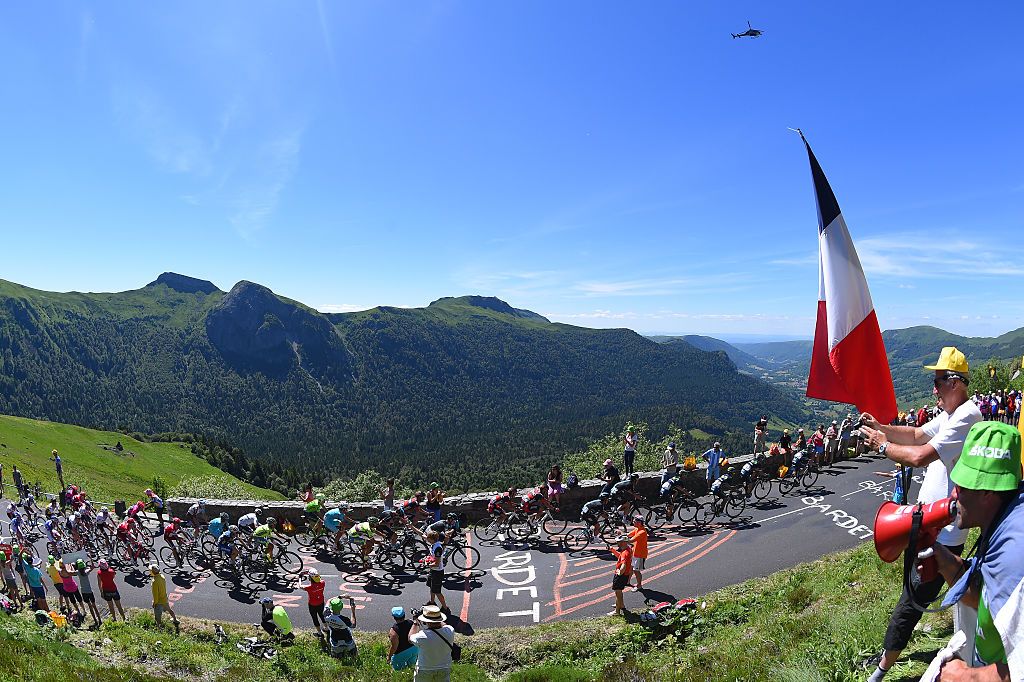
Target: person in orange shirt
639 537
623 570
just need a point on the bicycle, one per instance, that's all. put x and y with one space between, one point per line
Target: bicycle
580 537
804 471
259 566
460 554
548 522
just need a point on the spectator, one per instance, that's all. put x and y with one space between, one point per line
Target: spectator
160 601
313 584
388 494
801 440
55 458
435 579
435 497
555 488
623 570
401 654
818 443
275 621
85 584
638 536
157 504
1 479
786 443
34 578
108 589
610 476
922 415
831 442
9 560
936 445
435 642
18 482
988 491
713 457
308 495
58 583
71 591
629 454
760 431
670 461
340 641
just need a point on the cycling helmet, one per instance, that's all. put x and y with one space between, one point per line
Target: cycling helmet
53 452
105 510
259 511
149 492
233 528
176 520
604 496
453 517
271 521
634 476
672 445
51 559
373 520
266 600
224 517
312 573
511 491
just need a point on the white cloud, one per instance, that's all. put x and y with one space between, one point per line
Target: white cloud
342 307
258 195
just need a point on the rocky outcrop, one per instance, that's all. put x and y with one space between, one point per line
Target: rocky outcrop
184 284
255 329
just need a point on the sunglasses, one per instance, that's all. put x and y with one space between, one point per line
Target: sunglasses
938 381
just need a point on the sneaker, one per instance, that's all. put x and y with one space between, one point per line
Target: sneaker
613 613
871 662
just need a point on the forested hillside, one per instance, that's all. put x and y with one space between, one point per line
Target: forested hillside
468 389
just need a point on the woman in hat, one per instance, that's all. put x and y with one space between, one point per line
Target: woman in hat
435 642
313 584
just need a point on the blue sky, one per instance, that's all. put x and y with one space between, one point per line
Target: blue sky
605 164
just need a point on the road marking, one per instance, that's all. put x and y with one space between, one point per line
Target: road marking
466 592
779 516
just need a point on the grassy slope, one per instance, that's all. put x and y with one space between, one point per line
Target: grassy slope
813 622
106 475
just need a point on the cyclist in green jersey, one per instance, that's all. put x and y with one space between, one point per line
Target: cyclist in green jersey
263 534
362 534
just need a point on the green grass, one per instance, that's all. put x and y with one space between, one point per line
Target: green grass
106 475
813 623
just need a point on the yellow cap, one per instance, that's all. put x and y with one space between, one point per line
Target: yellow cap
951 360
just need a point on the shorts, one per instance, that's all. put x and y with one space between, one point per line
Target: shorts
88 597
60 590
620 582
38 592
112 596
74 597
556 488
435 579
638 563
405 659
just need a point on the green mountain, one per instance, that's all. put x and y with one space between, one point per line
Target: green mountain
468 390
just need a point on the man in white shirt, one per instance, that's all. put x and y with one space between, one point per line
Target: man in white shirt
435 642
937 446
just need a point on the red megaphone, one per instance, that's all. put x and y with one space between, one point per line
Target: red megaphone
893 522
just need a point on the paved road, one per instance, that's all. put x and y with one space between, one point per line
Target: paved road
526 584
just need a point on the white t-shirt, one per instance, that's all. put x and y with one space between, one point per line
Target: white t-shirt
434 654
947 433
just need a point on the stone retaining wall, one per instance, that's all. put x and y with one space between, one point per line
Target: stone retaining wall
472 505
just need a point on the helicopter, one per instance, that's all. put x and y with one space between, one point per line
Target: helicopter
751 32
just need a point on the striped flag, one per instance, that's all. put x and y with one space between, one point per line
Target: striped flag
848 361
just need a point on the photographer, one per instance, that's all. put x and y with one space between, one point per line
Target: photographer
987 488
435 642
937 446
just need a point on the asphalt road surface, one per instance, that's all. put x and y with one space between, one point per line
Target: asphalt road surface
523 584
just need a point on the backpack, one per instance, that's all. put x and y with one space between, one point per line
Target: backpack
573 481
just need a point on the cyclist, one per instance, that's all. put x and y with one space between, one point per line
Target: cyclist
218 525
669 490
52 507
315 507
133 515
52 529
226 543
334 521
172 536
414 509
446 527
195 515
747 473
29 505
624 494
17 523
502 504
263 536
104 521
720 485
362 534
248 522
73 526
535 501
593 511
390 520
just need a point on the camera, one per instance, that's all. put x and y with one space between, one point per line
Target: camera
416 613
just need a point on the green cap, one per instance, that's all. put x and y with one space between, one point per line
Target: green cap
990 459
335 605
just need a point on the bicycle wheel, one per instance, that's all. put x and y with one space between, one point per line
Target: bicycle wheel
787 484
167 557
393 559
687 510
255 569
576 539
704 514
655 518
465 558
735 503
810 477
486 529
762 487
519 527
553 526
612 529
289 561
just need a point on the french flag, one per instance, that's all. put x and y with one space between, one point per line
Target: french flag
848 362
